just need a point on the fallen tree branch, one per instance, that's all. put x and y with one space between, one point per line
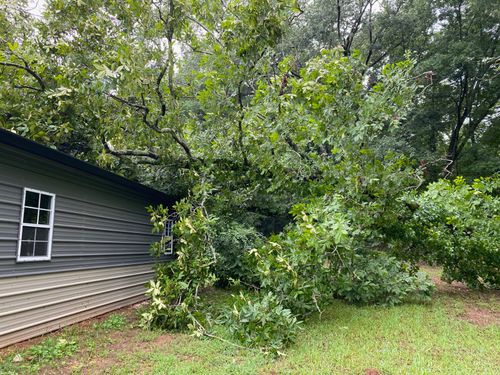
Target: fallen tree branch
201 331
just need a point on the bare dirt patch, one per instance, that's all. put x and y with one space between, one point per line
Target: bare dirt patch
123 343
474 300
101 349
110 349
84 325
481 316
163 340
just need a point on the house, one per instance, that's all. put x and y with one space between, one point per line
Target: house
74 239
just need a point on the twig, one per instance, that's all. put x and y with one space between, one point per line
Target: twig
317 307
202 330
28 87
127 102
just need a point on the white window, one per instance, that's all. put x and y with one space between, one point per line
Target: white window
167 240
37 222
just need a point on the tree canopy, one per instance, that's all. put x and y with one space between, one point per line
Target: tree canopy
170 83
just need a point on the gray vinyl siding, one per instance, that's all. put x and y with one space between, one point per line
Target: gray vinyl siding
33 305
96 224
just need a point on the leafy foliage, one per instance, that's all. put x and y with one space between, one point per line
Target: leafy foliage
239 106
232 243
381 279
457 225
318 257
262 321
175 291
324 125
297 265
455 45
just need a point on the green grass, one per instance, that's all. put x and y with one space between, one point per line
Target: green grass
433 338
407 339
49 351
114 321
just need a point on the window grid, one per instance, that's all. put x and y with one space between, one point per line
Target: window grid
167 239
36 227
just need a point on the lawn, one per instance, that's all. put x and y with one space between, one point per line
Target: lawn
457 333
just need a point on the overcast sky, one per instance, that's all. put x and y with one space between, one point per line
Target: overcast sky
36 7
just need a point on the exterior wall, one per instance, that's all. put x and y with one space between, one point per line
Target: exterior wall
33 305
96 224
100 250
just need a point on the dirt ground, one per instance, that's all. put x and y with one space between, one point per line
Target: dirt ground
477 310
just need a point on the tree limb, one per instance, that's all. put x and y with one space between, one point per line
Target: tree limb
370 35
26 68
383 55
339 35
354 29
28 87
111 150
207 30
163 106
127 102
181 143
240 125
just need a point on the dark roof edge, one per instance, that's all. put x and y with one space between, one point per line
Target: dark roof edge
17 141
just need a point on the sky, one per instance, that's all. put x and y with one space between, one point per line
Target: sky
36 7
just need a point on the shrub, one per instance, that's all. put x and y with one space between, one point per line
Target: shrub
381 279
261 321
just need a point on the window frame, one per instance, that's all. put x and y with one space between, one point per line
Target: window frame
168 247
49 226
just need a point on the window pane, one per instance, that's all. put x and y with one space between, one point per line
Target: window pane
28 234
40 249
42 234
45 201
30 215
44 217
27 248
31 199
